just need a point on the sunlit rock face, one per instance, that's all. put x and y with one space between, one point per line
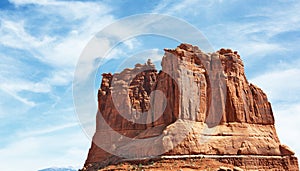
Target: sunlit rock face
199 103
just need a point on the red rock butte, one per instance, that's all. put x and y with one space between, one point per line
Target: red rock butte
200 105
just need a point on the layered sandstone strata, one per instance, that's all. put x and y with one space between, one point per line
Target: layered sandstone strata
197 104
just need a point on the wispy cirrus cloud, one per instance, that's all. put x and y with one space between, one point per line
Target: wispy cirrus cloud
66 148
26 2
251 31
281 85
57 42
48 130
14 35
41 40
40 43
266 34
186 7
17 86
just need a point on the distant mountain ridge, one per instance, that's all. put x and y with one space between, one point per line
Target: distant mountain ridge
59 169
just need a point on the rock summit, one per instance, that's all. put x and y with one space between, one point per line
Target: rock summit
200 105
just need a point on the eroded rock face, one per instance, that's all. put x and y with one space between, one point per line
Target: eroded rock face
197 104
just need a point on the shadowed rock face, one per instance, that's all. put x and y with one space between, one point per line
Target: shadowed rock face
197 104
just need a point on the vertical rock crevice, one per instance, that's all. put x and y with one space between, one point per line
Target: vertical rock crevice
207 92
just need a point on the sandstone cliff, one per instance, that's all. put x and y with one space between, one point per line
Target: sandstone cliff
197 104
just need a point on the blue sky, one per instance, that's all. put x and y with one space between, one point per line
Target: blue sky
41 41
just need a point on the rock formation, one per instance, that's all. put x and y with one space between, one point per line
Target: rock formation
198 104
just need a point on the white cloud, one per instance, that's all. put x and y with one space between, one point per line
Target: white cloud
132 43
75 23
13 106
26 2
20 85
47 130
20 99
85 66
287 123
43 151
186 7
124 49
249 39
15 86
14 35
59 78
281 19
49 35
139 56
60 51
253 33
280 84
249 32
258 49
